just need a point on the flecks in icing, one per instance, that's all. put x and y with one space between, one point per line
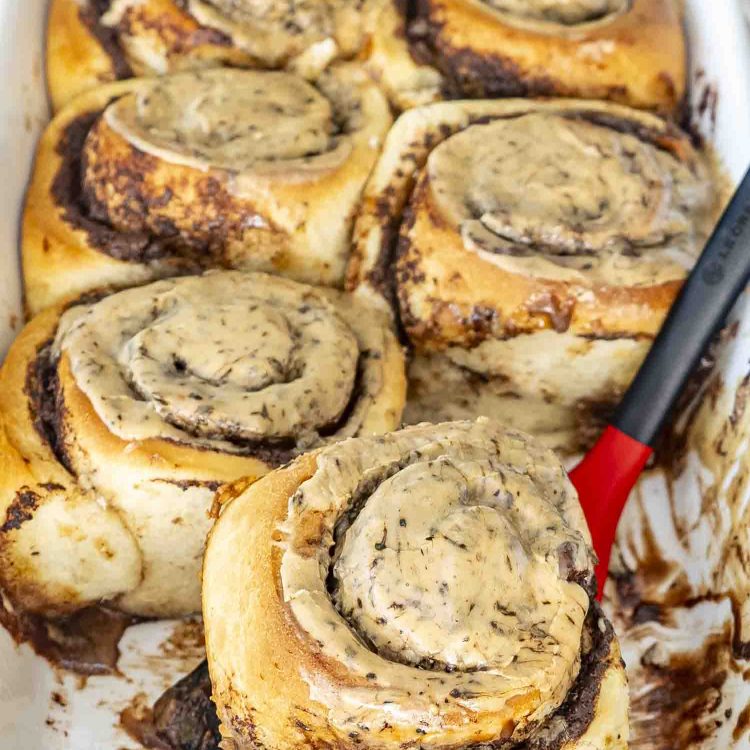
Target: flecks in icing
563 197
454 527
228 355
275 30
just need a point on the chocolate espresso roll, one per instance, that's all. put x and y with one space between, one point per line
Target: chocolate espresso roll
122 418
218 168
531 251
629 51
431 587
91 42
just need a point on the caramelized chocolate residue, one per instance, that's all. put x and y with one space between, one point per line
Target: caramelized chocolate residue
184 718
85 642
558 311
20 510
674 704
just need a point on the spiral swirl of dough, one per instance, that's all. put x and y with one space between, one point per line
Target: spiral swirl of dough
426 641
225 360
235 120
274 31
558 195
568 12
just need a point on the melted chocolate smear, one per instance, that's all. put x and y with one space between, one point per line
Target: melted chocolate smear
698 110
85 642
90 14
184 718
675 704
677 697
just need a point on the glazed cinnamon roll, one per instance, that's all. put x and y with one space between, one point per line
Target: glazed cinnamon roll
431 587
531 251
241 169
629 51
91 42
137 408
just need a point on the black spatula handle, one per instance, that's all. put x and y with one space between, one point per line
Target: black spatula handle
699 311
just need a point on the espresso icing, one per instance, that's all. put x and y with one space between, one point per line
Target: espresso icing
568 12
565 198
224 357
452 587
274 31
304 35
236 120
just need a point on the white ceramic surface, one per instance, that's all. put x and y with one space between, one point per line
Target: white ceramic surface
42 710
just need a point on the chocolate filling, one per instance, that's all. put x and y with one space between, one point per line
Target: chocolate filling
468 73
575 714
43 391
67 191
185 42
108 37
663 140
184 718
90 14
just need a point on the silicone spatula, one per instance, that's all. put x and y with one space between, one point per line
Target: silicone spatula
607 473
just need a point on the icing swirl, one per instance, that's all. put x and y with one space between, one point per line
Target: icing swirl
225 360
411 517
274 31
244 122
559 196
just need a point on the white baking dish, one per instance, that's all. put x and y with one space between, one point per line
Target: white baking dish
42 710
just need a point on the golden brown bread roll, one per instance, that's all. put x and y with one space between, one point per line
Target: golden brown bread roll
121 418
531 250
217 168
91 42
630 51
431 587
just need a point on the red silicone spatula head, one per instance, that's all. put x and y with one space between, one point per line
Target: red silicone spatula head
604 479
608 472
